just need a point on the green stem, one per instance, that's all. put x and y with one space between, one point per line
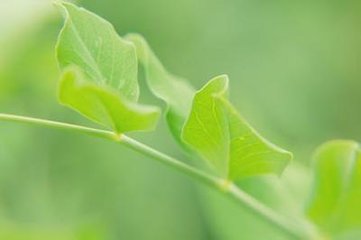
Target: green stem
58 125
294 229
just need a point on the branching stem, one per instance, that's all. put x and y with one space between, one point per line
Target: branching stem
294 228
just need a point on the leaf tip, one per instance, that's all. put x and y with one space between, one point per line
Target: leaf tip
60 5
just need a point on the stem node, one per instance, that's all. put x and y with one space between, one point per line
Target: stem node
225 185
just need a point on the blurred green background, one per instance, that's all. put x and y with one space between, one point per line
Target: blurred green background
295 70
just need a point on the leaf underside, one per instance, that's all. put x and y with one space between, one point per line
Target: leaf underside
176 92
105 106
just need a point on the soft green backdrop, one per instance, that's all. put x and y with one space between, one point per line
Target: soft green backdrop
294 67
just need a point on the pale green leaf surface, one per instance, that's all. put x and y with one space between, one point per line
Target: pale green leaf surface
105 106
175 91
336 196
92 43
108 91
228 143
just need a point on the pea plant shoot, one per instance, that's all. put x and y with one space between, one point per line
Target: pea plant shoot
100 81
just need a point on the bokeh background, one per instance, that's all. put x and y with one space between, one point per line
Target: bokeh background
295 70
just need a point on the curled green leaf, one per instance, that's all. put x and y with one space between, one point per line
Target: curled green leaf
225 140
176 92
335 200
105 106
104 86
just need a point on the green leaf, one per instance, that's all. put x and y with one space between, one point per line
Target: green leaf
108 91
228 143
335 200
105 106
91 43
173 90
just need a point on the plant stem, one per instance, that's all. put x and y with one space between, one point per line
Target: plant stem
58 125
291 227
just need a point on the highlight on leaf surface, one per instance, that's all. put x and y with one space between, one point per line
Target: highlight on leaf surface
176 92
228 143
104 86
335 199
105 106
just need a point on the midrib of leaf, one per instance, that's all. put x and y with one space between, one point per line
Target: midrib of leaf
231 164
88 54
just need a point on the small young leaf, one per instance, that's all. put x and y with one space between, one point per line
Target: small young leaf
335 200
108 91
105 106
173 90
218 133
